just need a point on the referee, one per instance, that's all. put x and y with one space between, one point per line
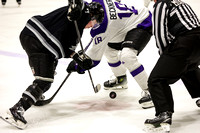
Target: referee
177 33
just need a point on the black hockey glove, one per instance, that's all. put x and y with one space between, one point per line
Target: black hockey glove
75 9
73 67
84 61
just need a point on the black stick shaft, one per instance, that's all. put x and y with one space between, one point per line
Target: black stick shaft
79 38
44 102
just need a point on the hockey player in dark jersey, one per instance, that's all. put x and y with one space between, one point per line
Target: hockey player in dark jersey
177 34
46 39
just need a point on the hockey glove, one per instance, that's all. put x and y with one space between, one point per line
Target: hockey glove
84 61
75 10
73 67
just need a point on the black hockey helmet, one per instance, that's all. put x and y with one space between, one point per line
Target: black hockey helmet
97 12
75 3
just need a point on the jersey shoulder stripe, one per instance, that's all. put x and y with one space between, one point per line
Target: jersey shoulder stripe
100 28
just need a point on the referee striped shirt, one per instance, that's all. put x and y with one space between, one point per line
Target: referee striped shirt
170 19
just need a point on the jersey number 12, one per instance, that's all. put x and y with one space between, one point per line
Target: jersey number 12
123 7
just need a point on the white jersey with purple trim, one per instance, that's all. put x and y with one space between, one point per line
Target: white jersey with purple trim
118 20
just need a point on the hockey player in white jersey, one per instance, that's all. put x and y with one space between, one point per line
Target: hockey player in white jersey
125 30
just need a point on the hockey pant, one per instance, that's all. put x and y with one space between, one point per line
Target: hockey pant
42 64
123 56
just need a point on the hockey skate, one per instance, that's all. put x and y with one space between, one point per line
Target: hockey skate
3 3
146 101
19 2
14 116
160 124
116 84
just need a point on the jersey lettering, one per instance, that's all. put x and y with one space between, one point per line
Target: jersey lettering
112 10
98 40
123 7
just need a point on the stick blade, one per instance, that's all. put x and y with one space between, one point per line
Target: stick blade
97 88
42 102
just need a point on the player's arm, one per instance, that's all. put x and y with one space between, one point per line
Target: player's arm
95 53
98 48
160 16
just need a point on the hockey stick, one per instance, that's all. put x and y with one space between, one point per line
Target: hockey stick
47 101
44 102
98 86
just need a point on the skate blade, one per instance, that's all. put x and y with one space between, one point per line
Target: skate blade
163 128
147 105
10 120
124 87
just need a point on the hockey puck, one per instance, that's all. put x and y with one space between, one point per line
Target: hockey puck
198 102
112 95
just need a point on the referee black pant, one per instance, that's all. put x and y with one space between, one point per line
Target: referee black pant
180 60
